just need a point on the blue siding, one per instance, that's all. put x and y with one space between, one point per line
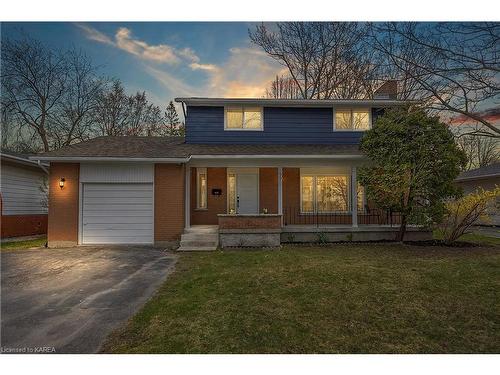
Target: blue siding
205 125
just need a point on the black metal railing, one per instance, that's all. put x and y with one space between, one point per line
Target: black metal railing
294 216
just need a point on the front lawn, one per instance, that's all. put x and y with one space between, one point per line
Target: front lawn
21 245
381 298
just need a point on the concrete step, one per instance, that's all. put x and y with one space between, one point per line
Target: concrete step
193 243
200 237
202 229
197 248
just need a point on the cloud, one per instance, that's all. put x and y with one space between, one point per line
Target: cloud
124 40
94 34
492 115
210 67
247 71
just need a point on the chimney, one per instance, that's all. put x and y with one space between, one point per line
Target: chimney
389 90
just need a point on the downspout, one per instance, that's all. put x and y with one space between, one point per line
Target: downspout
42 167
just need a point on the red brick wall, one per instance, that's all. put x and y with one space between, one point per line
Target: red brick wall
23 225
216 179
169 202
291 188
63 204
268 190
249 222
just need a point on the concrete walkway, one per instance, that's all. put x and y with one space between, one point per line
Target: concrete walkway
68 300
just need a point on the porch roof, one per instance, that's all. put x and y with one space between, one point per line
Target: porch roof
174 149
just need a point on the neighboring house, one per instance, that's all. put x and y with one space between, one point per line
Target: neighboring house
23 203
248 172
485 177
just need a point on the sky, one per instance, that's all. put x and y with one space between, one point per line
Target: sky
167 59
174 59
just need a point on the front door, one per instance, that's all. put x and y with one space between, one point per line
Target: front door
247 193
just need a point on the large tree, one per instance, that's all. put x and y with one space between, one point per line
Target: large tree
325 60
452 67
413 163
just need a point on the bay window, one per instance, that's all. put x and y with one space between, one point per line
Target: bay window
243 118
352 119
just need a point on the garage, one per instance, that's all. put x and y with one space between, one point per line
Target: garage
117 205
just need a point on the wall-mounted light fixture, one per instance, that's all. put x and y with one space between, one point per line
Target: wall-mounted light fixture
61 182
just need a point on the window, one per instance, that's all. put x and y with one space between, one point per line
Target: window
243 118
361 198
201 188
324 193
352 119
231 182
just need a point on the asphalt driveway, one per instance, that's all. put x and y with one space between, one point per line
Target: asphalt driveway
68 300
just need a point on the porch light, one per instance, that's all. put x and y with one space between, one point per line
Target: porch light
61 182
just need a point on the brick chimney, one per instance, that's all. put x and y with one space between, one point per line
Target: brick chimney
389 90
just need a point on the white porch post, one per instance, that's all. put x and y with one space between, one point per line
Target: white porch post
187 198
354 197
280 193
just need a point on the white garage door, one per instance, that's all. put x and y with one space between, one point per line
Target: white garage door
117 213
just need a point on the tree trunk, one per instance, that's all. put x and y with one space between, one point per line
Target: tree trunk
402 229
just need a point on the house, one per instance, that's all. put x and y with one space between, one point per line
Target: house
249 172
23 203
486 178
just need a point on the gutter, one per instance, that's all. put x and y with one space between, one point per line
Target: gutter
42 167
30 161
63 159
107 159
480 177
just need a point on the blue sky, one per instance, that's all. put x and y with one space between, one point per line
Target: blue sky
166 59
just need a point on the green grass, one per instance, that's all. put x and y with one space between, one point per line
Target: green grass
340 299
474 238
21 245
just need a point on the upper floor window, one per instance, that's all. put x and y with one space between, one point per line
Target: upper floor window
352 119
243 118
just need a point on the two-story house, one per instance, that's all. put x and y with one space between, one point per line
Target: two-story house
249 172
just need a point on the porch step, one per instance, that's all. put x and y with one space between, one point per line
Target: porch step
200 238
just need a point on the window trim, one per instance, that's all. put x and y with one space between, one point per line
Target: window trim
243 110
341 109
315 203
199 172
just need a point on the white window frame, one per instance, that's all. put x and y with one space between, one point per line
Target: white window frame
199 172
315 202
243 110
369 110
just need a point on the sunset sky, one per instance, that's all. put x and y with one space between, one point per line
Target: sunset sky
166 59
171 59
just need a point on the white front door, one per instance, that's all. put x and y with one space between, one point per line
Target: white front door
247 193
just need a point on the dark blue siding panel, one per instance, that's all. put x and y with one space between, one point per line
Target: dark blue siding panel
205 125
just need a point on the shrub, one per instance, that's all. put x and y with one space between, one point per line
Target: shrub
462 213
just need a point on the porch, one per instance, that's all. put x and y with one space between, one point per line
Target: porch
265 206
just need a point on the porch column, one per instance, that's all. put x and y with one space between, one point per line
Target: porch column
187 198
354 197
280 193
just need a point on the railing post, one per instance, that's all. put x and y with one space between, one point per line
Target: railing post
280 193
187 197
354 198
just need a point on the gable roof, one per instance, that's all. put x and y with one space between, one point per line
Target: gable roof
174 149
492 170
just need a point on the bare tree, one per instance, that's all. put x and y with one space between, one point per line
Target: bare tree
33 83
74 120
480 150
452 67
324 59
111 113
283 88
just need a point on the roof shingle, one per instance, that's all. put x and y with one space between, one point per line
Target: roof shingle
175 147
